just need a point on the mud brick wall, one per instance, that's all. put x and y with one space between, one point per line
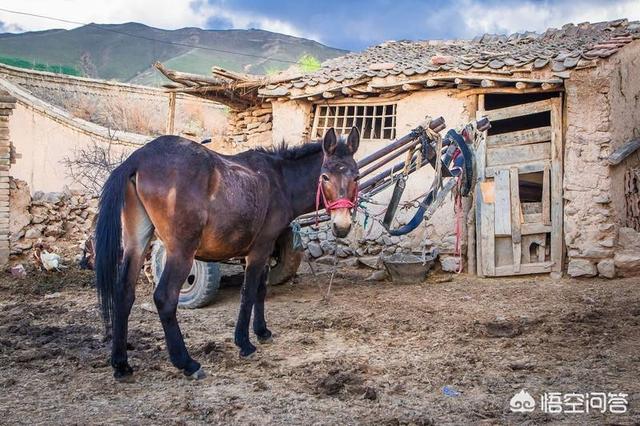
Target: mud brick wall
7 104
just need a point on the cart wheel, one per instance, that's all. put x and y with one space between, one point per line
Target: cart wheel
285 259
201 285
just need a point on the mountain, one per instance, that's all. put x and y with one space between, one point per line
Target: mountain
126 52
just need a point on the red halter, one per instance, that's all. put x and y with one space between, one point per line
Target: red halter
340 203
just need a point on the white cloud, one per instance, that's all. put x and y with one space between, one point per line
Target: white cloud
538 16
167 14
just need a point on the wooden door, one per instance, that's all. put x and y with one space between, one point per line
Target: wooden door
519 195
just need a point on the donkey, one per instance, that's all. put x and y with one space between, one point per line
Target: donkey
211 207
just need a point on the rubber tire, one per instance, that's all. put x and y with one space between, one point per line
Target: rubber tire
287 259
200 288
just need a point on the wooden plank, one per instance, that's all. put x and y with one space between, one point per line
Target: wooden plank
480 159
531 218
525 268
485 234
530 228
478 213
471 239
501 156
516 235
488 239
519 110
502 216
521 137
623 152
557 247
504 254
488 190
546 200
171 114
536 166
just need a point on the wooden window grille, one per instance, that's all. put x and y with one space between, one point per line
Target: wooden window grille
375 122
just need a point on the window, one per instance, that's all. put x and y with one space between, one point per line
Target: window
373 121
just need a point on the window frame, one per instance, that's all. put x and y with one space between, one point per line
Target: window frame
343 122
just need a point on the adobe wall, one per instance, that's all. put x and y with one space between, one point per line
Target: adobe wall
43 136
125 107
601 114
292 121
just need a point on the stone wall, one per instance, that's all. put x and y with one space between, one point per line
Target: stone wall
601 114
250 128
119 106
60 221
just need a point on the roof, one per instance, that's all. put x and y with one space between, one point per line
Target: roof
485 61
561 49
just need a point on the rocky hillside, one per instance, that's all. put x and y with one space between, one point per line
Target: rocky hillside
125 52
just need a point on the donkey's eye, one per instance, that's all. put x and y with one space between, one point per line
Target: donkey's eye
357 178
325 178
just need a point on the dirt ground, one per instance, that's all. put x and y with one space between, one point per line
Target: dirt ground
452 350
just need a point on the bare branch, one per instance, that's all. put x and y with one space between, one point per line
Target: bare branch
90 166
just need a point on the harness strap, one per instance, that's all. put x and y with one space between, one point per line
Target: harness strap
340 203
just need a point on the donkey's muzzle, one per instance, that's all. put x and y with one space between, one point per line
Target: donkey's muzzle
341 222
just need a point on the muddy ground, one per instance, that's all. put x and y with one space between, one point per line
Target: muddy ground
374 354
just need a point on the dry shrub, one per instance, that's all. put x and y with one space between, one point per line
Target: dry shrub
90 166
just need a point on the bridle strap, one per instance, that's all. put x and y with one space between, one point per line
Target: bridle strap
340 203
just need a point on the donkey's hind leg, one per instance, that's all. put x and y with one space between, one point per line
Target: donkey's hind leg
137 230
176 271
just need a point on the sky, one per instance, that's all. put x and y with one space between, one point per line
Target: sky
351 25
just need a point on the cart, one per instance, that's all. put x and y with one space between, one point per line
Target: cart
451 156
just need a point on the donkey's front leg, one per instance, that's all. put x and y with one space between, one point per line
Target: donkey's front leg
259 324
254 270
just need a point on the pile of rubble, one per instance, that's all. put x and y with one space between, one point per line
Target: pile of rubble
56 219
251 127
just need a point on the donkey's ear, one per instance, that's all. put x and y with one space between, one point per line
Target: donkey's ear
353 141
330 142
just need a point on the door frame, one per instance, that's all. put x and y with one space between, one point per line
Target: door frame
507 174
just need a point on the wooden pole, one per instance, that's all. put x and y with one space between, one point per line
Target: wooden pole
171 114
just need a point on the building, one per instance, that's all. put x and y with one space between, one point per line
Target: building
560 167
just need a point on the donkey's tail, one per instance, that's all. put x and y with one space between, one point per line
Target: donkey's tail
108 236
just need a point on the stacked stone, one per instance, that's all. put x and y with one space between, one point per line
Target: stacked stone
322 244
53 218
251 127
596 244
7 104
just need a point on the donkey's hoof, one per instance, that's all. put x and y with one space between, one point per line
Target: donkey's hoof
248 352
124 376
265 340
123 372
265 337
198 375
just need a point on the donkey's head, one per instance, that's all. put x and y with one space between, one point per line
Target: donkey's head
339 179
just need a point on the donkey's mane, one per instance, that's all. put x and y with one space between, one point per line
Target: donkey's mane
285 152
